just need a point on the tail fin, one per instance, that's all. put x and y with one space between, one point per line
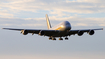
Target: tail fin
48 22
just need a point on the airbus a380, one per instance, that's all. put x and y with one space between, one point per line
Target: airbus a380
61 30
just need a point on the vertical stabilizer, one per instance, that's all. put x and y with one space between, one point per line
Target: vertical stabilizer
48 22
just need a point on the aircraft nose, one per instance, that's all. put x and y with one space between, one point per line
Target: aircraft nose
68 27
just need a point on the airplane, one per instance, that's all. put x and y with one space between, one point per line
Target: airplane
61 30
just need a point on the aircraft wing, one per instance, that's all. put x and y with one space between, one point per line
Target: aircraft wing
53 32
36 31
13 29
73 32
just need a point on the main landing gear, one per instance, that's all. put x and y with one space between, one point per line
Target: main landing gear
66 38
50 38
53 38
60 38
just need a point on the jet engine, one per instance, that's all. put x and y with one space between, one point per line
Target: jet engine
24 32
80 33
41 33
91 32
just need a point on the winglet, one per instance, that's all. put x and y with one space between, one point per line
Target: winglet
48 22
102 28
99 29
3 28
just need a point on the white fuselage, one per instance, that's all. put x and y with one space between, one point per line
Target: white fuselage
64 26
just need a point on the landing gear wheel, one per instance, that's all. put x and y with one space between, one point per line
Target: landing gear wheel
53 38
50 38
60 38
66 38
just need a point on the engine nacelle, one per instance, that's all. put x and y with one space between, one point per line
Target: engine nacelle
91 32
41 33
24 32
80 33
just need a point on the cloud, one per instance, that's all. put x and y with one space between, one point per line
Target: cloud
59 10
17 22
102 24
22 25
41 22
91 1
4 13
80 24
6 24
34 25
54 7
59 6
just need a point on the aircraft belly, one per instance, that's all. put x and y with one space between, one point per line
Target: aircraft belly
59 34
